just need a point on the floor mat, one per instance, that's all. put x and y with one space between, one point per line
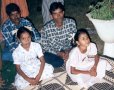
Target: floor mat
61 81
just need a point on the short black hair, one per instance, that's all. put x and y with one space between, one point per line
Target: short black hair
11 8
22 30
56 5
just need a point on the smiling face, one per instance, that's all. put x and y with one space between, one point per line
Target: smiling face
15 17
25 38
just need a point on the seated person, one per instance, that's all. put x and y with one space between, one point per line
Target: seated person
84 65
56 36
10 27
22 5
29 61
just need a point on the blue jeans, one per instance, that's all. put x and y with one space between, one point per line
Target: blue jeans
6 55
53 59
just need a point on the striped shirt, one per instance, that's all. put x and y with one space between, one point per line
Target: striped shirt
45 9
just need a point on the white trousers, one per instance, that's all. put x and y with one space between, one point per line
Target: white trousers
86 79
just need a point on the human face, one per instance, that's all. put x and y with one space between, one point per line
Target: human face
58 15
15 17
25 38
83 40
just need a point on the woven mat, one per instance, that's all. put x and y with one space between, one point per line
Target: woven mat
61 81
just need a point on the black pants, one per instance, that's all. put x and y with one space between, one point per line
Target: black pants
53 59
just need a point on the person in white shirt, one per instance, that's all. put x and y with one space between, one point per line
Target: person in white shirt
84 65
29 61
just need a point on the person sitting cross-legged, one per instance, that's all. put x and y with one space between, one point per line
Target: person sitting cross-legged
84 65
30 63
56 36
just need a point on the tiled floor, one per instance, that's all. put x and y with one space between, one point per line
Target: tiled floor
62 81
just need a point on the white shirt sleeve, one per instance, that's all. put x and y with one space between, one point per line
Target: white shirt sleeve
16 57
38 50
73 58
92 49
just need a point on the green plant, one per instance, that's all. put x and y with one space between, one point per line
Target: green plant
102 10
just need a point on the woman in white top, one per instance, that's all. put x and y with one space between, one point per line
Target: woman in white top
30 64
83 65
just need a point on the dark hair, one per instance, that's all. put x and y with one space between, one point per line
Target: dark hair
79 32
11 8
22 30
56 5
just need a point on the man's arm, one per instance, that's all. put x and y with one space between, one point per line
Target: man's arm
10 40
73 28
45 43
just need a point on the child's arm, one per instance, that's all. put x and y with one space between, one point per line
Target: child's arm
96 60
91 72
94 68
76 71
20 72
42 60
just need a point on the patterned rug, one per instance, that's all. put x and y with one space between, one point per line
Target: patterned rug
61 81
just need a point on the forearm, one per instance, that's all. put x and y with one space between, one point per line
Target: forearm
96 60
76 71
41 68
21 73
